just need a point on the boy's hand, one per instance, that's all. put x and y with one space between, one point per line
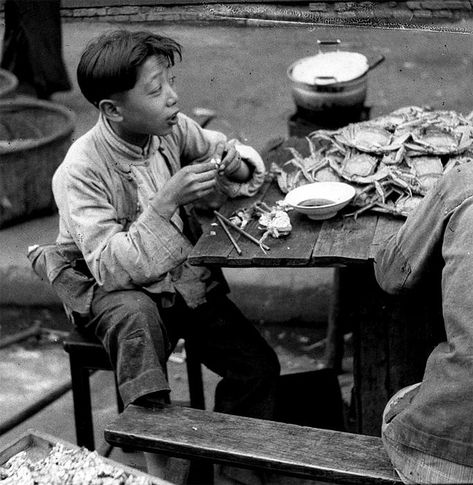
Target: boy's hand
227 158
229 162
187 185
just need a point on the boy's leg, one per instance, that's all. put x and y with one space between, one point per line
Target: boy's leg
129 325
229 345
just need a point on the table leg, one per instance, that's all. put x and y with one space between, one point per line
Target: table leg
334 349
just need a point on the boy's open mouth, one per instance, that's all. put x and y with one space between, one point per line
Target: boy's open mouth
172 120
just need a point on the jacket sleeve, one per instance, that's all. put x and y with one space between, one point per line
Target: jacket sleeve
406 257
117 258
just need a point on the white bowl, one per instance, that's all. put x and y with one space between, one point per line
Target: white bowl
320 200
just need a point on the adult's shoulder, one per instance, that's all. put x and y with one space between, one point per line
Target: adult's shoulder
456 185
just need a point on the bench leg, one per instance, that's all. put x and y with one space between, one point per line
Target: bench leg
82 403
196 382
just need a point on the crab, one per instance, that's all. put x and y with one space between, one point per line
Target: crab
398 117
301 170
394 157
392 160
359 164
428 170
441 140
273 220
369 137
326 174
392 201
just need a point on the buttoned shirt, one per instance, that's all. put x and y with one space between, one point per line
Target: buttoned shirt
103 190
436 245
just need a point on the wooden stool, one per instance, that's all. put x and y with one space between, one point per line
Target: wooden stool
87 353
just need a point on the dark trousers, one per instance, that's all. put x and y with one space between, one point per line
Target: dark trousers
139 335
32 45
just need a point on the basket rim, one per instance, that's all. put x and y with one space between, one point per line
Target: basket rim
11 79
66 129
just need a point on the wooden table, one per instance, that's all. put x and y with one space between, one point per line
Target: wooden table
392 335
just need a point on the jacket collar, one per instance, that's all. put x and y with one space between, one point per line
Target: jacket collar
124 154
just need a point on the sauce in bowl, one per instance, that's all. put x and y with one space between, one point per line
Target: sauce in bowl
316 202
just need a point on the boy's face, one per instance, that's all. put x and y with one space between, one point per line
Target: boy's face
150 108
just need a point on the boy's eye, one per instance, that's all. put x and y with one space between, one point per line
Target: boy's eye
172 80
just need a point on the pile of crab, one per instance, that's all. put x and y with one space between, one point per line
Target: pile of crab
392 161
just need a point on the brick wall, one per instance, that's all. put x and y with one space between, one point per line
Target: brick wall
415 11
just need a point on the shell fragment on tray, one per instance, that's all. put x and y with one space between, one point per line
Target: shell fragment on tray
65 466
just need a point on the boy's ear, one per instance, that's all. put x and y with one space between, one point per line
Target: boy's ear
110 109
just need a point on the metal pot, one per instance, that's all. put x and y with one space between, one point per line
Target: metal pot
327 92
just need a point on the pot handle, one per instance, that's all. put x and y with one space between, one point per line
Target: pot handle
377 62
325 78
328 42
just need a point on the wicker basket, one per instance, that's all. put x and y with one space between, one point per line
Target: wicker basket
34 138
8 83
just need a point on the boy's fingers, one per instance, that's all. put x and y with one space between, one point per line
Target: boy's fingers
209 184
204 176
206 187
203 167
217 157
231 161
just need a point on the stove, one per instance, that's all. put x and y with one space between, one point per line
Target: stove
303 121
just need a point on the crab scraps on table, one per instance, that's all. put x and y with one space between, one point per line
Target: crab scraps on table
274 220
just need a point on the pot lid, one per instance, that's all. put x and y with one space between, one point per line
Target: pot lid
330 67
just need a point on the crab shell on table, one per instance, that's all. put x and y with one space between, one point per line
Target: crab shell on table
273 220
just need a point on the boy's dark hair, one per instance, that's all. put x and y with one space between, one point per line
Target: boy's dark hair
109 63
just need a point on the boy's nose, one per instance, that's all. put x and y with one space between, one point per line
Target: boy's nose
173 98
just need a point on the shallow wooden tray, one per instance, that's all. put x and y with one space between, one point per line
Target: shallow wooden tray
38 445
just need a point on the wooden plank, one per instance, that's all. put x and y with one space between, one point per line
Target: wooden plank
293 250
289 251
326 455
344 240
214 247
386 227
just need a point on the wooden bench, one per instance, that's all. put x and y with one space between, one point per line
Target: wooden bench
300 451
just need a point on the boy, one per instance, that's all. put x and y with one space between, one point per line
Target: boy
427 428
124 193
